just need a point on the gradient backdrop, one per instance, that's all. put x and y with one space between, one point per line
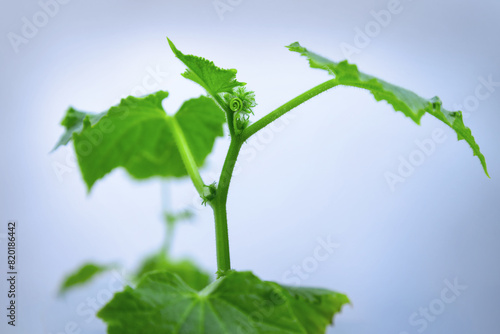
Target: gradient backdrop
321 175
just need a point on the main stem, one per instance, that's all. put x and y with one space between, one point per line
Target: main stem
219 205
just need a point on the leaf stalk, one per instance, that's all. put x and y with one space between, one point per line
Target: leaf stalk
186 155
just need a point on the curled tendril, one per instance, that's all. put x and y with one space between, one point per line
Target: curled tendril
241 100
236 104
241 103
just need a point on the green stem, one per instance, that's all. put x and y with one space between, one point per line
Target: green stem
277 113
186 155
166 209
229 113
169 236
219 206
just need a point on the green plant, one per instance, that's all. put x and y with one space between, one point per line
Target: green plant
141 137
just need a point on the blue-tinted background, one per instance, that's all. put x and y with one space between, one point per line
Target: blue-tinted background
319 175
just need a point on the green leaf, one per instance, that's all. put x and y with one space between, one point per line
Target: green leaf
308 305
136 135
83 275
189 272
409 103
236 303
73 122
214 79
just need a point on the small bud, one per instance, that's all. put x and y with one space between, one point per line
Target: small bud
209 193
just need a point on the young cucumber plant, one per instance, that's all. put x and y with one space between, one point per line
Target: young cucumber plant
141 137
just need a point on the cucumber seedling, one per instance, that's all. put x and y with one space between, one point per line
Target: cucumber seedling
139 136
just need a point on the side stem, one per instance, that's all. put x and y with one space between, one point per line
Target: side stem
277 113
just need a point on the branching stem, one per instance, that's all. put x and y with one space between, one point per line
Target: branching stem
219 204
